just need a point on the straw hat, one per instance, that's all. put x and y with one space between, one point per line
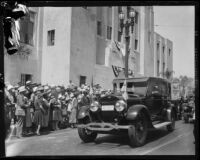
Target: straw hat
9 87
28 82
35 89
46 87
21 89
40 88
59 96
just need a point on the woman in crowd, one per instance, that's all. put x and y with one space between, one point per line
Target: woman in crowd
64 104
46 107
74 107
28 119
39 110
57 115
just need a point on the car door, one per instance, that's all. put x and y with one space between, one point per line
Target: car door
164 95
154 98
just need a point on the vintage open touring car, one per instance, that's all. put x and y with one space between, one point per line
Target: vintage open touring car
146 106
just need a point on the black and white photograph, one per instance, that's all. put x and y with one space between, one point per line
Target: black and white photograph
98 80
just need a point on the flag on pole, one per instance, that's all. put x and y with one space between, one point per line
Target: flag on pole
124 90
91 87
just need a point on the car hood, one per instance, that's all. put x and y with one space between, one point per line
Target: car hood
110 99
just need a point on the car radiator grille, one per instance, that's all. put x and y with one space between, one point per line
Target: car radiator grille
104 116
108 116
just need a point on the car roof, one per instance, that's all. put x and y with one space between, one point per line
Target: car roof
140 79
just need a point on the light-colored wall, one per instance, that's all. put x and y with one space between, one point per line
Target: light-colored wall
83 44
146 53
56 58
18 64
148 45
168 59
103 76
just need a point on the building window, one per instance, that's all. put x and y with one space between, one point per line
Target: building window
163 49
51 38
158 46
109 32
149 37
158 65
119 36
169 52
136 17
163 68
99 30
136 44
27 28
82 80
25 78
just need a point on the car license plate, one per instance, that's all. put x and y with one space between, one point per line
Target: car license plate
107 108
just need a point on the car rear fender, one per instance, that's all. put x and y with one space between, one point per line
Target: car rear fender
133 111
83 112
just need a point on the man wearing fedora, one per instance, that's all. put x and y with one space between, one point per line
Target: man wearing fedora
20 112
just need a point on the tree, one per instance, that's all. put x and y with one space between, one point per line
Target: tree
184 83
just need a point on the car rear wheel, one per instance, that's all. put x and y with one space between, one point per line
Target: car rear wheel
86 135
137 132
171 127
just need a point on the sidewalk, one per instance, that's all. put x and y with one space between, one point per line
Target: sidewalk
33 136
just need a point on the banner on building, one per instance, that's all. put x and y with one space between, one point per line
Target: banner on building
117 70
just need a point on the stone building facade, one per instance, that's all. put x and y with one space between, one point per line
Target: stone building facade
82 44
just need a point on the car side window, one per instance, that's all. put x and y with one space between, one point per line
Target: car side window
153 88
163 87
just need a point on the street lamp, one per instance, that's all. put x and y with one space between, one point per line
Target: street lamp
127 22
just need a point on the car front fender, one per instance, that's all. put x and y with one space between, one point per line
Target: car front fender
83 112
133 111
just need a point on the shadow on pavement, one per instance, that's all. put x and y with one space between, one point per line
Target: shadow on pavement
123 139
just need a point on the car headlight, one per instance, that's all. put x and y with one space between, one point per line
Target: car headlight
94 106
120 105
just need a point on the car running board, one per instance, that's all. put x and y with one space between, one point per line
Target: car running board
160 125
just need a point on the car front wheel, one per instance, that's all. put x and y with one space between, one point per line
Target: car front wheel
86 135
137 131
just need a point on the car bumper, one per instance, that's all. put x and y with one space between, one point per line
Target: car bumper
102 126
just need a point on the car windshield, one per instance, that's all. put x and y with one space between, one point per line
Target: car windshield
133 88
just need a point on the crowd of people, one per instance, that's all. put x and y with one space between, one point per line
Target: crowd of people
32 107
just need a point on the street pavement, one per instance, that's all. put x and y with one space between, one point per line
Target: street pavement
67 142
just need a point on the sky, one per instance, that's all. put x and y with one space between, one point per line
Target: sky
177 23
